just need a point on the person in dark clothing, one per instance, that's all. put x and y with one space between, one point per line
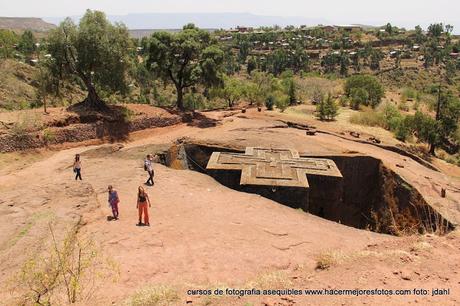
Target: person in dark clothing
77 167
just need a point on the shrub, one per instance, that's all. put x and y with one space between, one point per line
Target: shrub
403 106
66 274
270 102
403 129
344 101
281 101
369 118
318 96
425 127
369 83
48 136
410 93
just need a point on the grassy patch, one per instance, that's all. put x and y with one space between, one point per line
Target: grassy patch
331 258
368 118
154 296
276 279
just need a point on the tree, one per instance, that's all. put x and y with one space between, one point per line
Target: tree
369 83
95 51
252 64
231 64
356 61
419 36
27 43
7 41
292 92
46 86
289 86
281 100
232 91
344 63
261 86
426 129
270 102
186 59
376 57
359 96
278 61
435 30
300 59
389 29
327 109
244 50
329 62
144 79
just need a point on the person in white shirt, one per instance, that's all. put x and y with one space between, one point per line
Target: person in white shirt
148 166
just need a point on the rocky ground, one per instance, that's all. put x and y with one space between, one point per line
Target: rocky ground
206 236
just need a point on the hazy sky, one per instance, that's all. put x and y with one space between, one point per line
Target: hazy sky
400 12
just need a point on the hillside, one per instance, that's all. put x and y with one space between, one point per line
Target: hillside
18 87
25 23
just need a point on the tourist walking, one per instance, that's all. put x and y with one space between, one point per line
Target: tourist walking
113 201
77 167
148 166
142 202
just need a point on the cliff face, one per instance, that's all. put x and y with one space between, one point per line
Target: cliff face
25 23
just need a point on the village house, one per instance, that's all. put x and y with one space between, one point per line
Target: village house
349 28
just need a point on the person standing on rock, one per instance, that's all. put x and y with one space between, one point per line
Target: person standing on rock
113 201
142 201
77 167
148 166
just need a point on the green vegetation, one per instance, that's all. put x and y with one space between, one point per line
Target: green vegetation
154 295
94 53
326 109
7 41
186 59
271 66
65 274
366 89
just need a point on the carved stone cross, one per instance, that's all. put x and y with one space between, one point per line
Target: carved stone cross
273 167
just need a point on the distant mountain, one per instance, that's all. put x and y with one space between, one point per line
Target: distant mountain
202 20
25 23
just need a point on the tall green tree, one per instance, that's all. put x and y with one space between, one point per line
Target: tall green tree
376 57
436 30
7 41
252 64
419 36
264 85
186 59
27 43
95 51
344 63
